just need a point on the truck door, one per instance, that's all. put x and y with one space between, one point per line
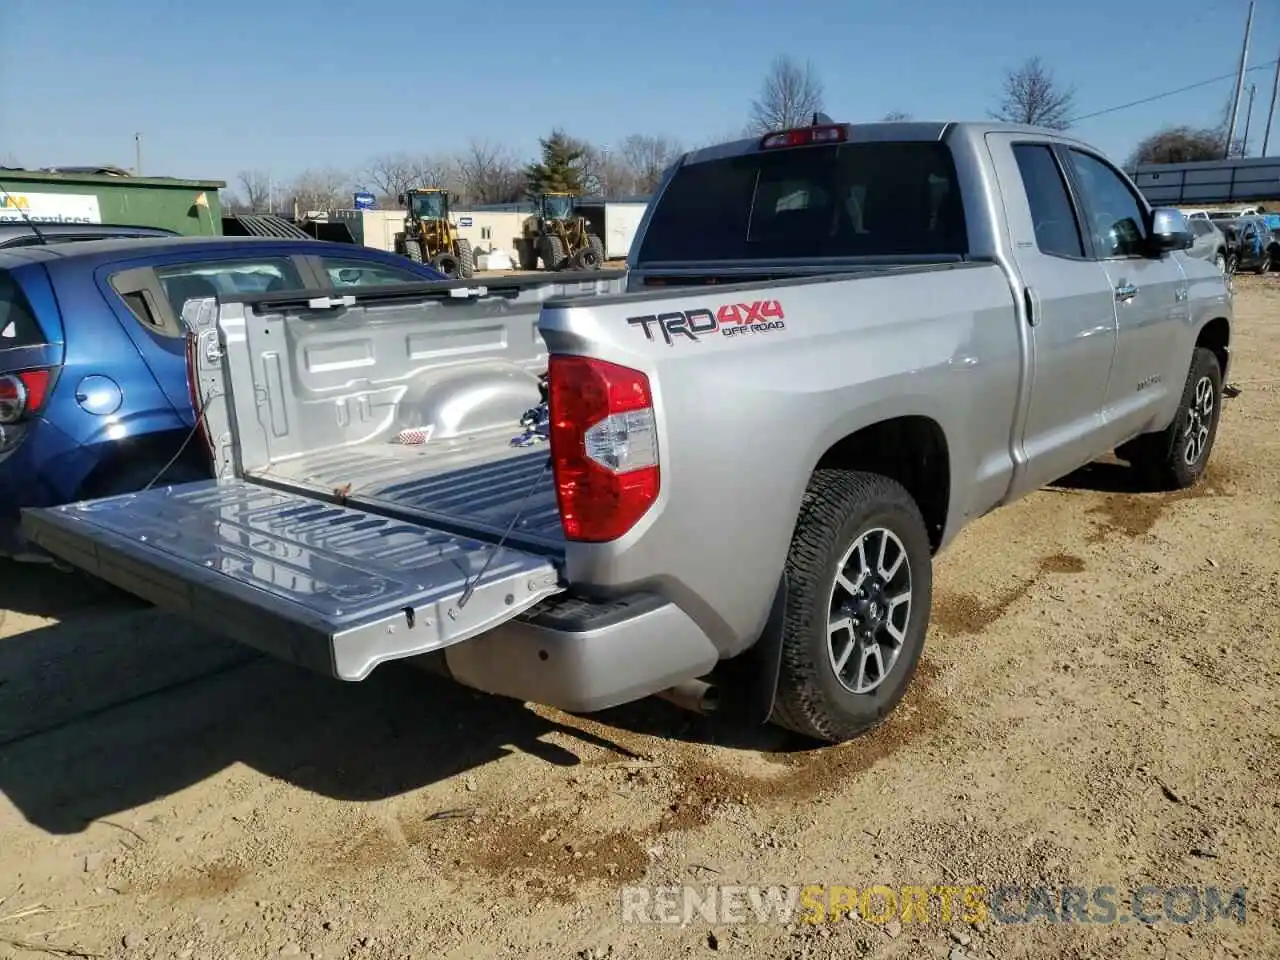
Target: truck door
1150 294
1066 306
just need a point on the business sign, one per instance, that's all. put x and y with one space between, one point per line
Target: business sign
464 221
49 207
364 201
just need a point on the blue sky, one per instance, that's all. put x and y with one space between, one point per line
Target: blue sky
217 87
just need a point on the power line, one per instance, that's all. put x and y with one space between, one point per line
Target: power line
1170 93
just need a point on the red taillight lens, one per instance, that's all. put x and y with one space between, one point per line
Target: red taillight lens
803 136
604 446
22 394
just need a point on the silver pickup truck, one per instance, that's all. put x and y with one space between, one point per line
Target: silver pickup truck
833 348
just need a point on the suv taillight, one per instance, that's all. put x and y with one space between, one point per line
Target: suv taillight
604 446
22 394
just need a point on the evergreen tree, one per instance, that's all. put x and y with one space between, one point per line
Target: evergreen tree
560 170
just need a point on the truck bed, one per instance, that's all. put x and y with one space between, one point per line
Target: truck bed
323 539
481 484
313 398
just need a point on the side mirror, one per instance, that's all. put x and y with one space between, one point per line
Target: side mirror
1170 230
400 199
350 275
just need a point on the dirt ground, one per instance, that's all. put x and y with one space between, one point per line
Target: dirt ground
1097 707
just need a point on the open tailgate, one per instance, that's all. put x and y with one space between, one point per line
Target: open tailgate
324 586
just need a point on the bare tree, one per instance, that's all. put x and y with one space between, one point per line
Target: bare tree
789 96
1031 95
648 158
489 173
893 116
391 174
606 174
255 186
321 189
231 203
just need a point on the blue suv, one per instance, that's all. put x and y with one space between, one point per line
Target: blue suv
94 392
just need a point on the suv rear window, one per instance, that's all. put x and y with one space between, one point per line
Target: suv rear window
18 325
896 198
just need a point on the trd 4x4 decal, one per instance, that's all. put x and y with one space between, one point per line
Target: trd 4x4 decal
729 320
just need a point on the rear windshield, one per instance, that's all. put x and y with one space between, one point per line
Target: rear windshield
18 326
843 200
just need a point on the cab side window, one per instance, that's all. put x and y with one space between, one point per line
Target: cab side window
1054 217
1116 218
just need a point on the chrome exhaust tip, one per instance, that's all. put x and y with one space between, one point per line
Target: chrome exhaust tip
697 696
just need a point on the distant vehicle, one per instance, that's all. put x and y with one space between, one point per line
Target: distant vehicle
94 396
1251 245
838 346
1210 243
19 233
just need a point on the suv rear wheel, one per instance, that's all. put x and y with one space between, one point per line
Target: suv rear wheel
860 584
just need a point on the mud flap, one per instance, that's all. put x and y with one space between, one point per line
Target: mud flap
750 679
328 587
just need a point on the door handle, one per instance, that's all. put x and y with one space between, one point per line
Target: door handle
1126 292
1029 302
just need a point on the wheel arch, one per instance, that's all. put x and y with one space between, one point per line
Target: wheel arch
911 449
1215 335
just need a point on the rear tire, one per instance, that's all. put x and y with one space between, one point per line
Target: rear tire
551 249
1264 266
527 255
447 264
848 655
586 259
413 250
597 245
466 259
1176 457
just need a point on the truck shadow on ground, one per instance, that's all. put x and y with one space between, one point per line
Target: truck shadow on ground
39 590
119 704
1103 476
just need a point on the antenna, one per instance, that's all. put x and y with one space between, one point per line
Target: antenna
44 241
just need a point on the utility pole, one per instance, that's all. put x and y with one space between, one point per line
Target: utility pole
1248 119
137 154
1235 100
1271 111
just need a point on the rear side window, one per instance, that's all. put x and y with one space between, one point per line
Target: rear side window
157 296
845 200
1057 230
18 325
342 272
226 278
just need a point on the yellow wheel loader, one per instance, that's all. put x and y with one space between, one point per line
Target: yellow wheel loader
430 236
557 235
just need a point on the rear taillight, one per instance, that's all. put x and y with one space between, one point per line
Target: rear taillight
22 394
604 447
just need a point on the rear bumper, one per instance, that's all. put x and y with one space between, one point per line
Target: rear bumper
40 466
581 656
